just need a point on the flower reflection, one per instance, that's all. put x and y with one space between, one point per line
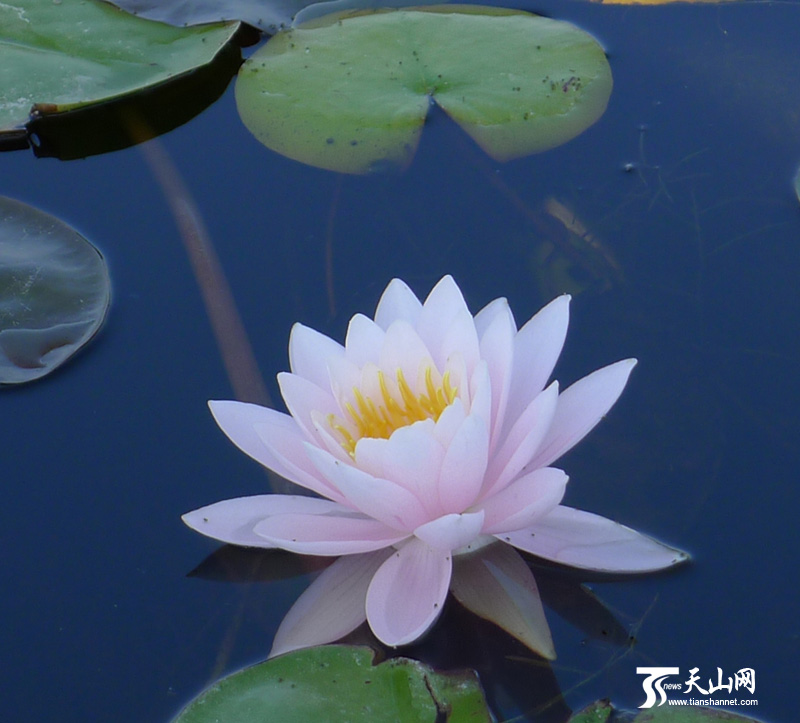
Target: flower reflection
428 437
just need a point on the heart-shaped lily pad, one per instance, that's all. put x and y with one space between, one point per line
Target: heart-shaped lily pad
339 683
59 55
350 92
54 292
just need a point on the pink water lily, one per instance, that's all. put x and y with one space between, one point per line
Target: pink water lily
427 436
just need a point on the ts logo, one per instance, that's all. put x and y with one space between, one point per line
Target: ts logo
655 677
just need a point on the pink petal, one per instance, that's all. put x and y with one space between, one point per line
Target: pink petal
404 350
522 440
247 426
407 593
397 302
537 347
309 352
343 377
443 306
524 501
496 584
332 606
449 422
232 521
364 340
287 445
413 458
463 466
339 533
376 497
581 407
450 532
487 314
590 542
459 378
303 397
326 439
497 348
481 389
458 337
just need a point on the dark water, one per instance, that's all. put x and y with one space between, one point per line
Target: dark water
101 622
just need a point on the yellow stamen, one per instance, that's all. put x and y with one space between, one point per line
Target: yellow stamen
379 421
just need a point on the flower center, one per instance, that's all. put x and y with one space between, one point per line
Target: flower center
392 409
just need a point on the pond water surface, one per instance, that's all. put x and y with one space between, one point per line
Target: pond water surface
686 187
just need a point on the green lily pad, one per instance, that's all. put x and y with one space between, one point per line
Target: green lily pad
339 683
350 92
54 292
58 55
269 15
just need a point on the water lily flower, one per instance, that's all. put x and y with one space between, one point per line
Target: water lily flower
427 438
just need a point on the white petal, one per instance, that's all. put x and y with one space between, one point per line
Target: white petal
413 459
404 350
459 337
303 397
486 315
364 340
397 302
590 542
340 533
248 425
332 606
441 308
379 498
325 434
343 377
481 390
309 352
524 501
497 348
580 408
496 584
464 466
407 593
537 347
523 440
287 445
232 521
449 422
450 532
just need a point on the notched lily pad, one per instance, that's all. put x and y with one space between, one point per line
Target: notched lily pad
338 683
59 56
349 92
54 292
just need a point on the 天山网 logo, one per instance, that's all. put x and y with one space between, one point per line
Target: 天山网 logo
657 687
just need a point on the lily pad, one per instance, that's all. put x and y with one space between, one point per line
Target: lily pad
350 92
269 15
58 56
54 292
339 683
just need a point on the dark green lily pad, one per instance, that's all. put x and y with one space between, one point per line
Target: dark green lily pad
58 56
339 683
54 292
350 92
269 15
